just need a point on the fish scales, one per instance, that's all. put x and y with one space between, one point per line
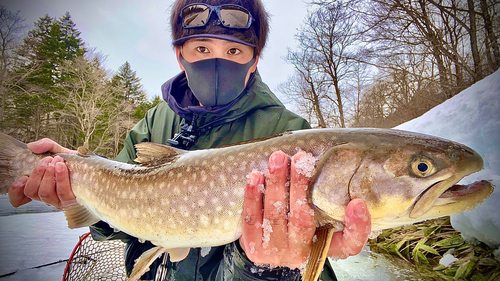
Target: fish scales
178 199
185 199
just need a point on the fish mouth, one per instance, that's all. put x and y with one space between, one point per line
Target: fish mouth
454 199
457 191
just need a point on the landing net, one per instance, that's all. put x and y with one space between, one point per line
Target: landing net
96 260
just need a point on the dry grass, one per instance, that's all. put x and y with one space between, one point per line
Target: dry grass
424 244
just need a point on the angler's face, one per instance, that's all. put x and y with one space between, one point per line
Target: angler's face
198 49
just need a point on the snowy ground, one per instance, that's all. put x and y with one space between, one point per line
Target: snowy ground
472 118
34 235
31 236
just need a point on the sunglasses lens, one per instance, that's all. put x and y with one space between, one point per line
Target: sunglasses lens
195 15
234 16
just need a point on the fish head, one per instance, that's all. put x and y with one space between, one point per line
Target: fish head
402 177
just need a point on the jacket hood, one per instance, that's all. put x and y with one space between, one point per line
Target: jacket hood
182 101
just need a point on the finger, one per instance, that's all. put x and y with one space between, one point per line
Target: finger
64 190
357 228
16 193
47 190
251 239
34 180
45 145
276 205
301 219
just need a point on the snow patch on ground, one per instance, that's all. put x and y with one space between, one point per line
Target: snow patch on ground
472 118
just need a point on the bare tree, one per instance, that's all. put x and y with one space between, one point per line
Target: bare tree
11 31
88 95
324 59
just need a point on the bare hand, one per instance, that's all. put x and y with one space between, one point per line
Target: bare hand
49 181
282 234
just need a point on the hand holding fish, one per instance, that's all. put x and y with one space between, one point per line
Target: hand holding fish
282 235
49 181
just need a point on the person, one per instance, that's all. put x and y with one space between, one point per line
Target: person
218 99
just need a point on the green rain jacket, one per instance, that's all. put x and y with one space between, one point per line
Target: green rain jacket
256 113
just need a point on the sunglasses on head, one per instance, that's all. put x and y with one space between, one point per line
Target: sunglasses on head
231 16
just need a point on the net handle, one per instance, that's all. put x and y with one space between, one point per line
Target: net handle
66 270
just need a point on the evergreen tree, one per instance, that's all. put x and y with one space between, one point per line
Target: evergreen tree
130 84
44 50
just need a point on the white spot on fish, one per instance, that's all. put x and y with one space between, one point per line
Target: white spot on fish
239 191
136 213
177 191
227 225
165 201
204 220
201 202
215 200
218 208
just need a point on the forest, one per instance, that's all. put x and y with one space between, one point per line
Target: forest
359 63
380 63
52 85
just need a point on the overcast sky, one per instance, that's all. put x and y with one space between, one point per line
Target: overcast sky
140 34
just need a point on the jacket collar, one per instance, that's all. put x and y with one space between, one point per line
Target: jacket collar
182 101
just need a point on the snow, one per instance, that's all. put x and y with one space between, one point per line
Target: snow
472 118
31 236
35 234
447 260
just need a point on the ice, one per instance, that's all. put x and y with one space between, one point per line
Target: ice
267 229
205 251
472 118
28 240
447 259
306 165
252 247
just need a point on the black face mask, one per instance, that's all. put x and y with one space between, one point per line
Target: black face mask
216 81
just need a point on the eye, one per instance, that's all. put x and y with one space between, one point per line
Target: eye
202 49
233 51
422 167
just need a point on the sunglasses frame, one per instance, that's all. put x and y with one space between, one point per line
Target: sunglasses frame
217 10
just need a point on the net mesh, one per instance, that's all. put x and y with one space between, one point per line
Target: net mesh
96 260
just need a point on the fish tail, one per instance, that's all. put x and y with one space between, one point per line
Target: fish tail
12 161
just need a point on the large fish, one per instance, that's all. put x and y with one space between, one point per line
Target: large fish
183 199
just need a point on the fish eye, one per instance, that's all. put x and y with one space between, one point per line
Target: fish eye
422 167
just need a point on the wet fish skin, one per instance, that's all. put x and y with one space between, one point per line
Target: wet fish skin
185 199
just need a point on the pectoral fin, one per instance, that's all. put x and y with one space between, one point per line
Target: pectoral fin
143 263
178 254
318 254
79 216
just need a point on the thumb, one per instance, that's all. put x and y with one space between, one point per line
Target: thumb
48 145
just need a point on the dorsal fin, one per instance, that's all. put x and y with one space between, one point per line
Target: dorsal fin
149 153
84 152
